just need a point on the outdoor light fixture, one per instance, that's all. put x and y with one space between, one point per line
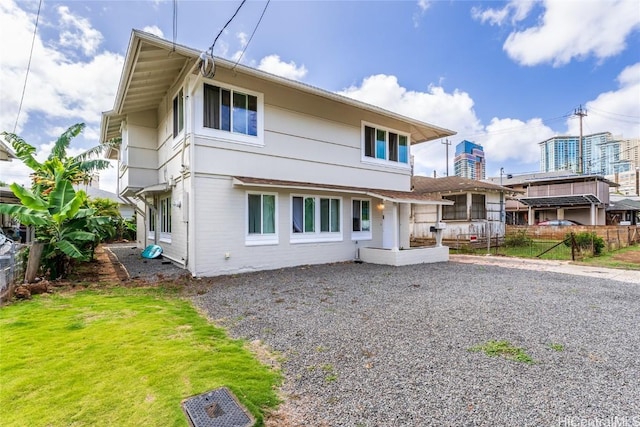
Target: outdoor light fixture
381 206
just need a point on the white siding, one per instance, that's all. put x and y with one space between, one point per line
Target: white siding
424 216
220 230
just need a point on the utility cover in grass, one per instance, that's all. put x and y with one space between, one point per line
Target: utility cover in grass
216 408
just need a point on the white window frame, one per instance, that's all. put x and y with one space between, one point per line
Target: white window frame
223 135
317 236
151 223
165 218
259 239
181 102
362 235
386 162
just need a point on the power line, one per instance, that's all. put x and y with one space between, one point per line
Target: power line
608 117
175 24
26 76
614 114
225 26
543 122
252 34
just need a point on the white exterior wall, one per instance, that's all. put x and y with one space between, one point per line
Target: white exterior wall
221 227
297 147
424 216
305 139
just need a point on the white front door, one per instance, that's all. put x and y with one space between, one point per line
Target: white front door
388 225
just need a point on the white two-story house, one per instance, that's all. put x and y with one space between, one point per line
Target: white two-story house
234 169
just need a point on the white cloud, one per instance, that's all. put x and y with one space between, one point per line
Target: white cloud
566 30
61 89
449 110
423 6
274 65
77 33
513 140
58 86
153 29
518 10
616 111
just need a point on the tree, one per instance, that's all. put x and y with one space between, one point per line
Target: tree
63 221
77 170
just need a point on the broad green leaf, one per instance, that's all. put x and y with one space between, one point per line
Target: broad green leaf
60 148
71 250
24 151
64 201
79 235
25 215
27 198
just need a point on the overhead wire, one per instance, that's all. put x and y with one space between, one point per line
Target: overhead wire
26 76
252 34
175 24
225 26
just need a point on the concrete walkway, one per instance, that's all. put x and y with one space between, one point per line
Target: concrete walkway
629 276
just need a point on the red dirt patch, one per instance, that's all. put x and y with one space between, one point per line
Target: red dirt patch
630 256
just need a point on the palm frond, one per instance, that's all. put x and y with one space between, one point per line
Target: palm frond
24 151
60 148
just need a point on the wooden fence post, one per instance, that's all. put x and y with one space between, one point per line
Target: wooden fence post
35 253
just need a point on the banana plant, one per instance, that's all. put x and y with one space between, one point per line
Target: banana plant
62 222
78 169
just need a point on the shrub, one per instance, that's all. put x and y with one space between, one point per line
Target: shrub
517 239
586 240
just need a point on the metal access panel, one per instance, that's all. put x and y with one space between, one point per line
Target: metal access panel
216 408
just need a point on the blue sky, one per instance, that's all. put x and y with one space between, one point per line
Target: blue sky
506 75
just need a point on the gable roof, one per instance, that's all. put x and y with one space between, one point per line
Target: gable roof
153 65
624 205
455 184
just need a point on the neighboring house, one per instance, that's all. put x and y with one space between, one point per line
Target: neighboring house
6 154
623 210
557 195
242 170
126 209
475 213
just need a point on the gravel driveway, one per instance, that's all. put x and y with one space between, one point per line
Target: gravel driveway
369 345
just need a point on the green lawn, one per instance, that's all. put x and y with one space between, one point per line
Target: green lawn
537 247
123 357
617 259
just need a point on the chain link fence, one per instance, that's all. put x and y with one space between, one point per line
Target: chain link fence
545 242
12 267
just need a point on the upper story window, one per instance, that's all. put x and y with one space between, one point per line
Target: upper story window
316 219
178 113
230 110
385 144
361 214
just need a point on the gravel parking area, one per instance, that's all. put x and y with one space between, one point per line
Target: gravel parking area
368 345
137 267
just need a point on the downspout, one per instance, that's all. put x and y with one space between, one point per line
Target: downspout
188 135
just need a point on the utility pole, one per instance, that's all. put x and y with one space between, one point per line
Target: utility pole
447 144
580 113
